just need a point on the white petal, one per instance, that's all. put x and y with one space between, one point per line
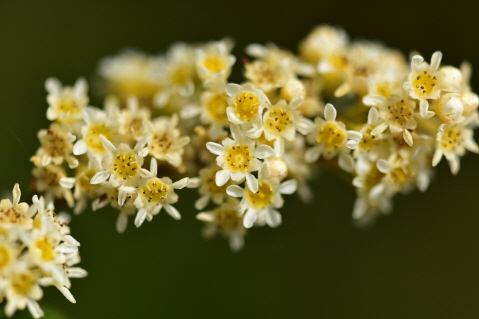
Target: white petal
373 115
235 132
346 162
233 89
273 218
190 111
296 101
288 187
215 148
249 218
67 182
235 191
264 151
230 112
304 126
69 239
351 144
172 211
35 309
374 100
312 154
76 272
265 171
121 223
329 112
107 144
415 61
408 137
251 182
423 108
100 177
222 177
181 183
153 166
202 202
140 217
66 293
354 135
80 147
435 61
383 166
236 241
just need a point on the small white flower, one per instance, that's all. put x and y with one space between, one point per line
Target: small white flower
226 219
332 139
155 193
214 59
238 158
452 142
245 103
265 200
122 165
66 103
426 82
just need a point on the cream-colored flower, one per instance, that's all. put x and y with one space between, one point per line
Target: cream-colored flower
239 158
452 142
332 139
165 142
227 219
122 165
66 103
155 193
265 200
245 103
425 82
214 59
57 146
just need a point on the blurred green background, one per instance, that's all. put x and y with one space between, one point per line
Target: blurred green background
420 262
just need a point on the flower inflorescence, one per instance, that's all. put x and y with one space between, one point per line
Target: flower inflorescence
244 146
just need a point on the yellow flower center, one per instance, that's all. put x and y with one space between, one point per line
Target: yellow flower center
155 192
161 143
92 137
180 76
125 166
216 107
399 175
247 106
5 257
399 114
238 158
263 197
451 139
368 142
22 283
383 89
55 144
424 84
331 136
46 249
228 219
214 64
68 106
278 121
372 178
9 214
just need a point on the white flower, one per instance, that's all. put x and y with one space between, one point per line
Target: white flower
452 142
214 58
450 109
332 139
426 82
97 123
398 114
66 103
245 103
57 146
265 200
281 121
226 219
122 165
155 193
238 158
209 190
165 142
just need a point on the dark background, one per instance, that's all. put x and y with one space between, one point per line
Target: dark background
420 262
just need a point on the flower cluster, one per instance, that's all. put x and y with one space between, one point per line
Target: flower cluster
245 145
35 250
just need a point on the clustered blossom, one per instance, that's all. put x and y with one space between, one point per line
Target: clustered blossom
35 250
355 107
